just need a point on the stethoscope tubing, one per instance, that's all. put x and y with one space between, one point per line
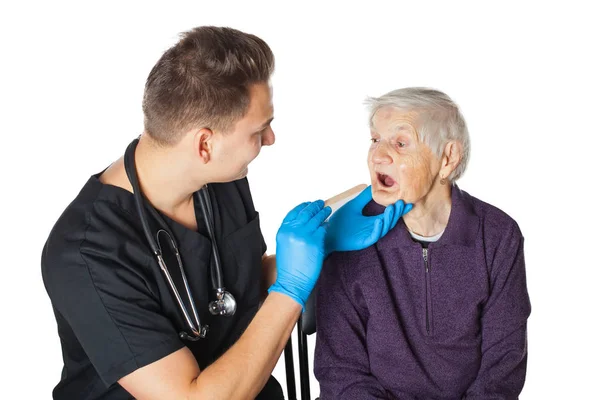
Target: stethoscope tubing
142 205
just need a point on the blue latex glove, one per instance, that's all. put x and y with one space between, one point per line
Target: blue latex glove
348 229
300 250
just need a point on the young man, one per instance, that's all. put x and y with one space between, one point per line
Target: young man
126 293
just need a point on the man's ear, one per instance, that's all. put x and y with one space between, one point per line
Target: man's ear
203 143
450 158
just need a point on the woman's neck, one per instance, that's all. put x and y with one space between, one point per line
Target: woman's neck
431 213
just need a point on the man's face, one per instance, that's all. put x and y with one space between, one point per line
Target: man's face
401 166
236 149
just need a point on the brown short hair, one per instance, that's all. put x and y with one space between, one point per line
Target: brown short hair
202 81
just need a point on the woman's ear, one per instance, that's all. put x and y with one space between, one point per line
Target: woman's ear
450 158
203 143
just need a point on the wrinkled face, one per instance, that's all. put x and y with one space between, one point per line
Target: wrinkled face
401 166
235 150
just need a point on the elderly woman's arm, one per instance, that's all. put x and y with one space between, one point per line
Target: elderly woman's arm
341 359
504 325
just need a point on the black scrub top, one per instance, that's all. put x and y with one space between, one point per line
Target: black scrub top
114 309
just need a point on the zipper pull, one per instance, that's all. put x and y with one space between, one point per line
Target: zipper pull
425 258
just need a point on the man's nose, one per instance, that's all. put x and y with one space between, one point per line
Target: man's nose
268 138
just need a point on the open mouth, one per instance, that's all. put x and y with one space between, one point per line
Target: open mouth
386 180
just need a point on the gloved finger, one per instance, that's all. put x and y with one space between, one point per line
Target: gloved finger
387 217
398 213
318 219
407 208
295 211
360 201
375 233
320 233
310 211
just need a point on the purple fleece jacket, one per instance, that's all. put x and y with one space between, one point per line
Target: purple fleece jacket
396 321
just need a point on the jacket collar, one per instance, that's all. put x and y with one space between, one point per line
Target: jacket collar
462 228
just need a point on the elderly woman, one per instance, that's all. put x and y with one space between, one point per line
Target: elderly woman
438 308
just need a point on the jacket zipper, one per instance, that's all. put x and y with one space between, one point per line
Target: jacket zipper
427 294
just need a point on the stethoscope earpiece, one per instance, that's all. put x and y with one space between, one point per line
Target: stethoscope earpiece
186 336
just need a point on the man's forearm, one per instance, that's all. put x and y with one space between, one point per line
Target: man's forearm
244 369
269 274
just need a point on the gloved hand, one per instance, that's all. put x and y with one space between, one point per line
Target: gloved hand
348 229
300 250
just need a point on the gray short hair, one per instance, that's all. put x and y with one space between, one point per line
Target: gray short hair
440 120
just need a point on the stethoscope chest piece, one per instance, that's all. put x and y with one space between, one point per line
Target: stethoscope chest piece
224 304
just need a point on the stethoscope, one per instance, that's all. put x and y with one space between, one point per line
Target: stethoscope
225 302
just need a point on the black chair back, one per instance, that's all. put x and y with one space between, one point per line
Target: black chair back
307 325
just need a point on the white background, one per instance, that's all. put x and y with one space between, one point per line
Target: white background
524 74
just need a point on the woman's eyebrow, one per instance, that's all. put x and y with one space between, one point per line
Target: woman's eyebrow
402 127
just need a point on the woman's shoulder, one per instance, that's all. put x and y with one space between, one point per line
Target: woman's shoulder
494 220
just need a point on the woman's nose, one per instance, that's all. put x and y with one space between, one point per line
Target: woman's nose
380 154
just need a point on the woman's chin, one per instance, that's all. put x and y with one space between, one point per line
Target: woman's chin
384 198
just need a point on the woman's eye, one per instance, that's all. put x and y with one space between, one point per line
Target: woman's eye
401 144
373 140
